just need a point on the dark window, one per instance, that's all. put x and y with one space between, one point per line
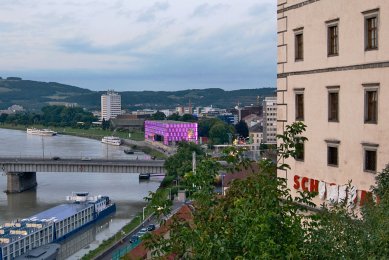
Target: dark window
332 155
333 106
299 106
299 47
371 106
333 44
371 25
300 151
370 160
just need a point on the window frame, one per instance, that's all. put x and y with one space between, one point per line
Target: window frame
299 112
367 148
332 144
333 90
298 45
368 15
371 87
330 47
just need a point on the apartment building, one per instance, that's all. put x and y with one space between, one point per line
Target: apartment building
111 105
333 74
270 120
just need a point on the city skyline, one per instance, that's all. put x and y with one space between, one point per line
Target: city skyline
169 45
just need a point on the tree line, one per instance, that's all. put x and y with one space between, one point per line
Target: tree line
52 116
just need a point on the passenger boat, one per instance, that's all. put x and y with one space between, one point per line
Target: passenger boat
52 225
113 140
45 132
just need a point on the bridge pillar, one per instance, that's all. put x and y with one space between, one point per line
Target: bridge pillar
20 181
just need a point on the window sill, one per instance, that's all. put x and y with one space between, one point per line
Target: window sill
299 119
371 49
299 160
333 165
333 121
371 122
332 55
370 171
298 60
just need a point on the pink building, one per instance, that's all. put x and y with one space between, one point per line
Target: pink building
170 132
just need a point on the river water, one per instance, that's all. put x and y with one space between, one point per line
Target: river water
123 188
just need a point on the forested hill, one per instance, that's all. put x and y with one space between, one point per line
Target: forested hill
35 94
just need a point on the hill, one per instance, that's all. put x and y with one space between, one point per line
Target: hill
34 94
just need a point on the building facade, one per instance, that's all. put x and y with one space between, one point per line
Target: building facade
270 120
333 73
111 105
170 132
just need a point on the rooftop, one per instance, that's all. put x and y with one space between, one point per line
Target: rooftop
171 122
61 212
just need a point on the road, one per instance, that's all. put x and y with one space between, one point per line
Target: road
107 255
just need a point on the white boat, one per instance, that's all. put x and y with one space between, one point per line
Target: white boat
35 131
111 140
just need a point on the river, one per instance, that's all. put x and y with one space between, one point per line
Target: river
124 188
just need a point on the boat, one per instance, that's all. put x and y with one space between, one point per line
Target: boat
128 151
46 252
44 132
53 225
113 140
144 176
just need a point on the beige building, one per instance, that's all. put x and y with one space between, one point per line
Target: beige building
333 74
111 105
270 120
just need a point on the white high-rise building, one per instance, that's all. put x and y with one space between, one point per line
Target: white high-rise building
270 120
111 105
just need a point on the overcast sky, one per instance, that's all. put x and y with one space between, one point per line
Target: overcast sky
140 45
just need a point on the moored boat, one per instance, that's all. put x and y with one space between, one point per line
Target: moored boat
113 140
52 225
45 132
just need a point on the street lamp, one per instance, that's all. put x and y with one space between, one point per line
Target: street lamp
143 211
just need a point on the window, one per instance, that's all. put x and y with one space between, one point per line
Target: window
299 46
300 151
300 106
371 104
333 42
332 155
333 104
370 160
371 29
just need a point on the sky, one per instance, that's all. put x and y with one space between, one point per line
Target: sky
129 45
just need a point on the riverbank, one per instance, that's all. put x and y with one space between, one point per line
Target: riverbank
135 140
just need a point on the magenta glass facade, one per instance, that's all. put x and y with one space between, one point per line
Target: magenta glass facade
170 132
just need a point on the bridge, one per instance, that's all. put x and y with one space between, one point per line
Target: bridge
21 172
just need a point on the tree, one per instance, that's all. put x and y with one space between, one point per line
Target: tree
158 116
242 129
181 162
175 117
205 125
218 133
188 118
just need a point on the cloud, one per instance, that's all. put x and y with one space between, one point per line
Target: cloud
205 10
150 13
260 10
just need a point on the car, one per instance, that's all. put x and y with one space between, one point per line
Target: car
134 238
55 158
151 227
144 230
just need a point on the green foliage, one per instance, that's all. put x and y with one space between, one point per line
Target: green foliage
181 162
158 116
242 129
259 219
206 124
218 134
